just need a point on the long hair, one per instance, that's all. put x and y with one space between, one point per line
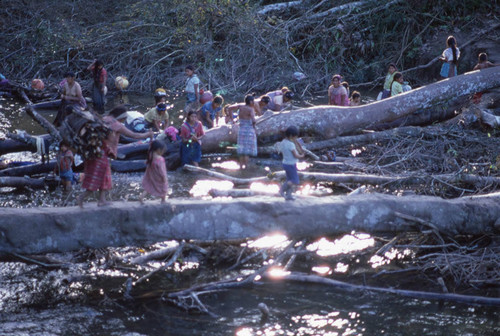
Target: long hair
97 71
452 43
153 147
397 75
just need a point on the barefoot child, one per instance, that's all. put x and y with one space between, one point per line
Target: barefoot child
155 180
97 176
64 165
483 62
391 70
450 58
290 157
397 84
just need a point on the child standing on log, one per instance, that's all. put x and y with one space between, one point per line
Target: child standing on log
64 165
450 58
288 147
155 180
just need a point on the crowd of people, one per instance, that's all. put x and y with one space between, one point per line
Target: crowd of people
201 113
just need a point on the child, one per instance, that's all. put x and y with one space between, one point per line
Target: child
397 84
157 117
191 133
192 89
386 93
290 155
64 165
355 99
155 180
210 112
346 85
337 94
483 62
450 58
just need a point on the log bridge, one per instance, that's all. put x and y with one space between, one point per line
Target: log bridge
43 230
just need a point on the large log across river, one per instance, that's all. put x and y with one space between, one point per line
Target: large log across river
330 121
42 230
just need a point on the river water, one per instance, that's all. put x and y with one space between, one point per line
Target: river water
87 299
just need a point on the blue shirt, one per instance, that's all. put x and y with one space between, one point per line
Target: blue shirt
208 110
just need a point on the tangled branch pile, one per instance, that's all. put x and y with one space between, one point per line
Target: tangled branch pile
237 45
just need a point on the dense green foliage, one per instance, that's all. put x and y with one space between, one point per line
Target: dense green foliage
235 48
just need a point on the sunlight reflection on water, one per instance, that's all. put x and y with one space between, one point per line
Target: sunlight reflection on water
346 244
202 187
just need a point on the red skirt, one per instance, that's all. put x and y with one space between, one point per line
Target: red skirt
97 174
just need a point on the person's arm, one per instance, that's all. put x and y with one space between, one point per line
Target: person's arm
125 131
297 155
197 92
252 114
329 97
217 116
476 67
343 99
157 124
91 66
298 146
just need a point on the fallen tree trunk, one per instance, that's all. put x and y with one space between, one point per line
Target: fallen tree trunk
37 168
25 182
42 230
330 121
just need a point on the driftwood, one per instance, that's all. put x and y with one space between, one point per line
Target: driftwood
37 168
307 278
130 223
330 122
26 182
54 133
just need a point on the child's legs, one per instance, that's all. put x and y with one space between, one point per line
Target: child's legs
102 197
82 197
67 185
292 176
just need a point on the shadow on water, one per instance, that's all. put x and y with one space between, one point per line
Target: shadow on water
35 300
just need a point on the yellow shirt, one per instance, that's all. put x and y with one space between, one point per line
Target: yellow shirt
153 115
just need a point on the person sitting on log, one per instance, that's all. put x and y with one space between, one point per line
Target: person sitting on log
209 113
191 134
450 58
157 117
64 163
291 154
71 96
397 84
247 138
337 94
99 88
278 99
483 62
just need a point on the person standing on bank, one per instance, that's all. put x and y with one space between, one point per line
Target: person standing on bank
450 58
192 90
99 88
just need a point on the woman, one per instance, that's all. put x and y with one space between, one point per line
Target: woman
99 88
247 138
97 171
278 98
450 58
191 134
71 95
337 93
